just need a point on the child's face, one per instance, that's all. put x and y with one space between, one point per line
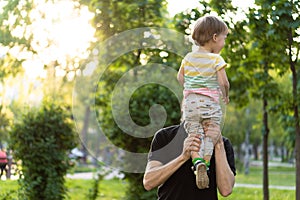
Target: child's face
219 41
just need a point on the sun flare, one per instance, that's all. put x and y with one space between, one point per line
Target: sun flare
61 33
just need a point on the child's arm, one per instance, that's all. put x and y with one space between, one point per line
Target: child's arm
180 75
224 84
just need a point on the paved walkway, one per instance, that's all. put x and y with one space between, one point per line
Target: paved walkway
89 175
278 187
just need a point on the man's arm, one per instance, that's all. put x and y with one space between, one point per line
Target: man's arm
156 173
224 175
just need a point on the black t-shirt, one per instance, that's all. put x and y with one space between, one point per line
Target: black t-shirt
167 144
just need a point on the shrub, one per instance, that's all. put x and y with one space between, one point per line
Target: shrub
41 140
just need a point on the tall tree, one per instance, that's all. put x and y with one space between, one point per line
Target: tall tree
28 40
281 31
286 23
254 53
15 14
261 60
112 20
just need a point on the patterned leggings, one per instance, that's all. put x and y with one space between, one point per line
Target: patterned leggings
198 109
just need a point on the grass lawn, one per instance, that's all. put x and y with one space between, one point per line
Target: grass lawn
257 194
283 176
115 189
109 189
78 189
278 176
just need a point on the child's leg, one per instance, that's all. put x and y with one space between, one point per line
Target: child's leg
196 127
199 164
192 114
208 150
192 120
208 142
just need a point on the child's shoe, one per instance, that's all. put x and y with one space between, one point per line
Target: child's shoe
202 180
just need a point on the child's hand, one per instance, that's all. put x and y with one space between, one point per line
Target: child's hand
225 100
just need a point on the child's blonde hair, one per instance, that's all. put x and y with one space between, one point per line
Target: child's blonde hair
206 27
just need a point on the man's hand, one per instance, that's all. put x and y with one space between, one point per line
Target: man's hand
212 130
191 143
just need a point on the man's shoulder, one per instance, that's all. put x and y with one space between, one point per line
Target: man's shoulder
168 131
226 141
171 128
167 143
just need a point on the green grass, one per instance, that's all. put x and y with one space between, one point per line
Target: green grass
283 176
77 189
257 194
278 176
116 189
109 189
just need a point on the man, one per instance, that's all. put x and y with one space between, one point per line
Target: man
169 165
3 161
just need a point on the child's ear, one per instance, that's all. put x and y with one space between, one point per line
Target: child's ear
214 37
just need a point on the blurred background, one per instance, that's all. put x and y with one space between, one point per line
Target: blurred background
49 46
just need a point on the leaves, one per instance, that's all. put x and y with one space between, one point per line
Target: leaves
42 140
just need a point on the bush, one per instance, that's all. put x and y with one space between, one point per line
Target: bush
135 189
41 140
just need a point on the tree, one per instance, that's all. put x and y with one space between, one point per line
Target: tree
112 20
255 54
8 37
5 122
29 41
280 19
42 139
286 22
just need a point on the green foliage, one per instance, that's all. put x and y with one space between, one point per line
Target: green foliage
138 192
242 120
116 16
16 12
260 45
139 105
5 122
42 139
94 191
113 17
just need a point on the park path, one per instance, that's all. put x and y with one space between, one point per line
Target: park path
278 187
116 174
89 175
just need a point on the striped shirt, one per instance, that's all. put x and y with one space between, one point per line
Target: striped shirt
200 72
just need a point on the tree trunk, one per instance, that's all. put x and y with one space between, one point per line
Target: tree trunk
247 143
255 151
84 133
297 152
282 153
297 127
247 156
9 164
265 150
296 111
